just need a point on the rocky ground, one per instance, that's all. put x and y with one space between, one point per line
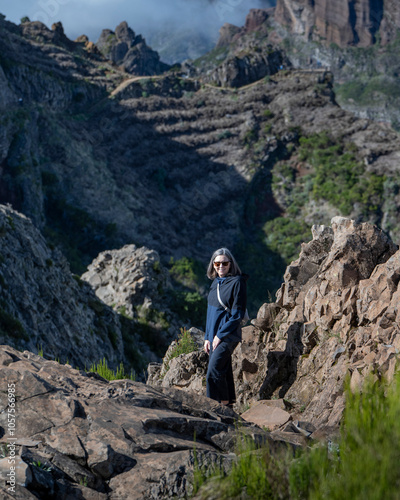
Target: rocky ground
79 436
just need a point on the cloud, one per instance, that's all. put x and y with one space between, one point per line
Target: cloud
89 17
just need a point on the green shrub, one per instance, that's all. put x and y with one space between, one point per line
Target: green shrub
364 465
339 177
104 371
185 344
189 306
187 271
255 475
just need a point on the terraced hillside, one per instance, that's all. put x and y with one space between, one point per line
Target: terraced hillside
184 167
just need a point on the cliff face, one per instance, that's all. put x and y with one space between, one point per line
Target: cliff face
43 306
341 22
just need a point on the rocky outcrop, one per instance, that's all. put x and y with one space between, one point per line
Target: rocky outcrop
245 61
133 282
336 316
319 336
343 22
44 307
130 51
79 436
255 20
247 67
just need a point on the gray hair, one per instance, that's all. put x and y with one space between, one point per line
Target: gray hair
234 269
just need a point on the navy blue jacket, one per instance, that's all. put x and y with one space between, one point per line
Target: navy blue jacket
225 324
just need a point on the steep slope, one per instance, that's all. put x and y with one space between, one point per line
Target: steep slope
44 307
180 166
356 41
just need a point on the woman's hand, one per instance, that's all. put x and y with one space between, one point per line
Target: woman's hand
207 345
216 343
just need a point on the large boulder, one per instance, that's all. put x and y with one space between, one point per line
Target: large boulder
134 282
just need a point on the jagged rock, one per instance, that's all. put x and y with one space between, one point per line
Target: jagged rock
133 281
96 439
337 314
130 51
227 34
255 19
128 278
185 371
246 67
16 471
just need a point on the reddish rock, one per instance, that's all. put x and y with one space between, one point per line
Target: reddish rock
343 22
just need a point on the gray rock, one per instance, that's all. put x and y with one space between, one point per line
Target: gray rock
123 437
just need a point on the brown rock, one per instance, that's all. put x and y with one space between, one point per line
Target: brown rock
265 414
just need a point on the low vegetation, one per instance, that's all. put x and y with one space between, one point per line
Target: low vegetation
104 371
362 464
339 177
185 344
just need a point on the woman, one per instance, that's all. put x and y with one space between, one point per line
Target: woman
223 328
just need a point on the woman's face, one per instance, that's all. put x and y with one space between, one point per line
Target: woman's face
222 265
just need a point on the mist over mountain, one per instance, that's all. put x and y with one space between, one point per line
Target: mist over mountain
191 25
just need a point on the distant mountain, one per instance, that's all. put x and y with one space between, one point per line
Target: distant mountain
193 31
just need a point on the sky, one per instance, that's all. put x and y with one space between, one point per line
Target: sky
89 17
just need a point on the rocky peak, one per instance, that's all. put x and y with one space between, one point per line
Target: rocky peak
130 51
125 34
254 21
256 18
38 31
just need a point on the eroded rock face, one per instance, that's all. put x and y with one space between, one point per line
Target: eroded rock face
341 22
99 439
332 302
336 315
128 278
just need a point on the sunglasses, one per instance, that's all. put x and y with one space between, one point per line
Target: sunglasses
224 264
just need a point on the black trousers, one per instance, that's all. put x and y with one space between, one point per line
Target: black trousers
220 384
